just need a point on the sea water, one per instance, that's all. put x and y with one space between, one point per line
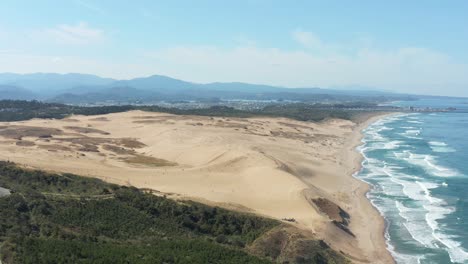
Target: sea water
417 166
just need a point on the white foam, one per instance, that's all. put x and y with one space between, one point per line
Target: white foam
399 257
422 222
411 133
426 162
456 252
415 122
438 143
411 189
422 213
387 128
415 224
439 170
385 145
437 146
443 149
426 187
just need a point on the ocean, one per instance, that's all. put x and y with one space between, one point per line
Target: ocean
417 166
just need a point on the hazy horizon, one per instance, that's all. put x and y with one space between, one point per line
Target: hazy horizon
418 49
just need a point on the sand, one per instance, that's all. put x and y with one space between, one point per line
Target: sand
275 167
4 192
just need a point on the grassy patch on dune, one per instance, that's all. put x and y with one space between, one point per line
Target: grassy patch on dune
147 161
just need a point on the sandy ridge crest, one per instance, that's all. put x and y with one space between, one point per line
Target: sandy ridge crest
274 167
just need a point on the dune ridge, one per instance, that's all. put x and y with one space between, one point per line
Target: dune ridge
274 167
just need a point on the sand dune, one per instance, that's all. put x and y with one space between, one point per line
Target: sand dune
270 166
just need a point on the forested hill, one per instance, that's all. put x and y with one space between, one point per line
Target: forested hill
52 218
85 88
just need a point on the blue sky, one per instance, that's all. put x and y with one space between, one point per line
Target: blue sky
411 46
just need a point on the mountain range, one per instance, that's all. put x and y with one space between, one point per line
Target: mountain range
77 88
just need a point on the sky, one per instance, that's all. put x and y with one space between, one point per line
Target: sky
402 46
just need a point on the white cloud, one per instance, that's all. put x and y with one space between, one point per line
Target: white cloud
307 39
412 70
79 34
404 69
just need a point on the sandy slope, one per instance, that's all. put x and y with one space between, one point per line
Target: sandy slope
270 166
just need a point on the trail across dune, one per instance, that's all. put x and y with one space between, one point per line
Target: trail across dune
274 167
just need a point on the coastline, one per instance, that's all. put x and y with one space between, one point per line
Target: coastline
369 224
298 161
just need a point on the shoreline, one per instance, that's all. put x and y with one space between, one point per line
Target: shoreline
371 224
235 157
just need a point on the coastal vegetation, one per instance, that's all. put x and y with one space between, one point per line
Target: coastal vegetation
13 110
64 218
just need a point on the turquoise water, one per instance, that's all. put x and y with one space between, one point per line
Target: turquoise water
417 165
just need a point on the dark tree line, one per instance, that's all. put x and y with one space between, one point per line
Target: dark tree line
11 110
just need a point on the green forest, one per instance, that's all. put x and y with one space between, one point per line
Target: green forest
12 110
64 218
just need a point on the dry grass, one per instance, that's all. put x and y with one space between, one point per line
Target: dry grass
150 122
55 147
118 150
147 161
332 210
25 143
18 132
70 120
129 143
152 117
229 124
287 244
86 130
89 148
99 119
337 215
295 126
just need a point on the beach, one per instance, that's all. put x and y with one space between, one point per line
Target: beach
297 172
374 227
